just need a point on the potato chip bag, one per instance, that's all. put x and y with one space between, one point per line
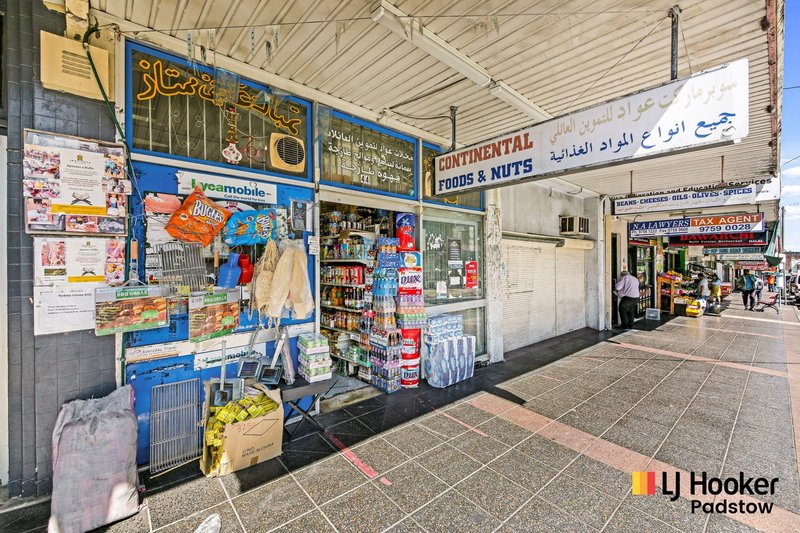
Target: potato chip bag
198 219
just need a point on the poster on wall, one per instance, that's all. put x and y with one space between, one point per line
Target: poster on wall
471 275
62 309
74 260
74 185
129 309
455 274
453 249
213 315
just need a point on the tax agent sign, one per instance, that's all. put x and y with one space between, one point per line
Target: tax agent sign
698 225
706 109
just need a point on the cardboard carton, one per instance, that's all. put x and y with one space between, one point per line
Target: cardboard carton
245 443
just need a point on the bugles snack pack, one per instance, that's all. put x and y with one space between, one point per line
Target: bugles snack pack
198 219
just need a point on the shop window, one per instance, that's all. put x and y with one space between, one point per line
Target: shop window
475 324
358 154
453 260
175 109
473 200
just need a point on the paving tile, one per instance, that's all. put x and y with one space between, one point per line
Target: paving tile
448 464
600 475
546 408
228 521
504 431
410 486
333 417
362 510
723 524
523 470
253 477
452 512
594 421
365 406
689 460
547 451
678 514
468 414
305 451
327 479
538 515
579 500
407 526
637 434
179 501
313 521
272 505
379 455
442 426
494 493
413 440
479 447
25 518
628 519
786 489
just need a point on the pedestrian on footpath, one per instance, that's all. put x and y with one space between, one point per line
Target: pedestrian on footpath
759 288
747 284
771 283
703 291
716 290
627 289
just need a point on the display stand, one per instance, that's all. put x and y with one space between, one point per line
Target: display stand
673 286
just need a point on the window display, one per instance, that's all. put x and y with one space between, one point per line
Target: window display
453 258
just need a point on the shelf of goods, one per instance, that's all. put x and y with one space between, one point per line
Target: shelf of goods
359 261
343 285
340 308
668 287
340 330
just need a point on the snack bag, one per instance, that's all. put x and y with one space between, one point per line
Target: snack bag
198 219
405 231
251 227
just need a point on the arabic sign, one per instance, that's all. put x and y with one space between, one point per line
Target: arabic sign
685 200
698 225
705 109
720 239
358 155
177 108
232 189
737 250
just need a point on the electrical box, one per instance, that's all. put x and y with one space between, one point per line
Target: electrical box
65 67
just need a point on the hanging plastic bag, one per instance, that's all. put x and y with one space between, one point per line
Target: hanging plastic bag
198 219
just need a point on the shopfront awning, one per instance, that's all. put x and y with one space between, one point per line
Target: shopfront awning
506 65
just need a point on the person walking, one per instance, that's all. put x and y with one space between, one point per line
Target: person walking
703 291
771 283
716 290
627 289
747 284
759 288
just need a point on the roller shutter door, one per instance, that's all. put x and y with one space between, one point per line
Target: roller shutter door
529 281
570 289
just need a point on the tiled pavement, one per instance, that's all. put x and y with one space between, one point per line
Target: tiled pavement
543 442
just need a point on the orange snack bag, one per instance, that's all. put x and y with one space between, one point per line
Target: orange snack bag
198 219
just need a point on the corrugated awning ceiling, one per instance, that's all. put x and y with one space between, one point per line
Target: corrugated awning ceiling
561 55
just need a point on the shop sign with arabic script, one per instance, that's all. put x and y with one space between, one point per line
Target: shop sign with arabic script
357 154
702 110
178 109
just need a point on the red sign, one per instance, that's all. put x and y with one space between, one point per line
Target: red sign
471 275
727 220
753 265
710 240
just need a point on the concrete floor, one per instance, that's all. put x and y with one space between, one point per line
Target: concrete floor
544 442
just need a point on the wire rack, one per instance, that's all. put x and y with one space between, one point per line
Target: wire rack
174 424
183 268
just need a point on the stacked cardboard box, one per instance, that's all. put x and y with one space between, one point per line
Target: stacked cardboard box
314 357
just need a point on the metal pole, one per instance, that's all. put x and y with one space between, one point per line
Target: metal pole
453 110
675 15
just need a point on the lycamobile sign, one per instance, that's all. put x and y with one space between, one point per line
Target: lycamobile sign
233 189
703 110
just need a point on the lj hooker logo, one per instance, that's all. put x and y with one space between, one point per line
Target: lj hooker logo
644 484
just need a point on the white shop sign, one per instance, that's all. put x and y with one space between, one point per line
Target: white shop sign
685 200
741 257
705 109
698 225
233 189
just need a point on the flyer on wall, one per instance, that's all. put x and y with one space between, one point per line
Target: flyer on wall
62 309
68 260
74 185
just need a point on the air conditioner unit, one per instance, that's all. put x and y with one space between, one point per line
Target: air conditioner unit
287 153
574 226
